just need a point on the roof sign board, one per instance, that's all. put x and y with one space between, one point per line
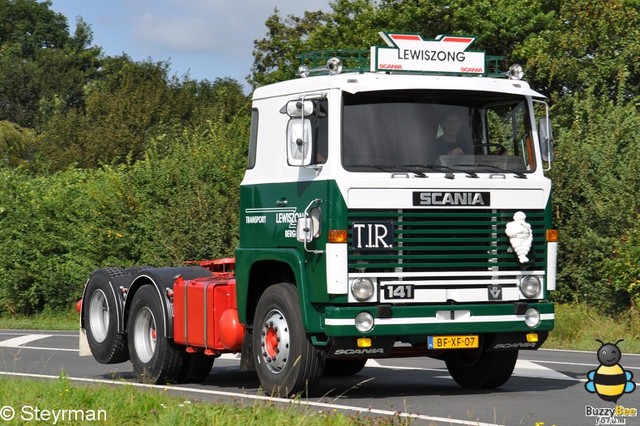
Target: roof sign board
411 53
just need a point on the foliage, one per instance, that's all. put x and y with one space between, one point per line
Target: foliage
16 144
577 327
41 64
55 230
592 46
622 268
129 105
596 182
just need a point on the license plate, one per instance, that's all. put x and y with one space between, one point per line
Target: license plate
453 342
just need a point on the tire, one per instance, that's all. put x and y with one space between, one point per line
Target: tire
101 318
343 367
286 361
477 368
196 367
155 358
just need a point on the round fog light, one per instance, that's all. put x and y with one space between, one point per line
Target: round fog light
530 286
532 317
362 289
364 322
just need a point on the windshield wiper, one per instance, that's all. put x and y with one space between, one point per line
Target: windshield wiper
519 175
389 169
448 171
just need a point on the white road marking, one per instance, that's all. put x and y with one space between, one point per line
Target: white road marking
365 410
523 369
533 370
17 342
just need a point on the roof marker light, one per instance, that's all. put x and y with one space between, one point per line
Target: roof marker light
516 72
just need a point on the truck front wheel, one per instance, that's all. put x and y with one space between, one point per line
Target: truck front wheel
286 361
477 368
155 358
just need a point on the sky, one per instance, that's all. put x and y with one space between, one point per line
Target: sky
204 39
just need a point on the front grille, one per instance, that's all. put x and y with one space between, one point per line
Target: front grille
446 240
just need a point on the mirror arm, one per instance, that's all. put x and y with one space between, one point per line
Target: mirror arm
307 231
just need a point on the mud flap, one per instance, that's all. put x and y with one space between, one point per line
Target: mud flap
83 344
247 360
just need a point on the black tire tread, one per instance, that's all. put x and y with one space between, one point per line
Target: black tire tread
311 364
114 350
166 364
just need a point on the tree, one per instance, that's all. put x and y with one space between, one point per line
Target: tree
594 45
42 67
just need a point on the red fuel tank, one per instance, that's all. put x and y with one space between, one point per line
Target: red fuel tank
205 314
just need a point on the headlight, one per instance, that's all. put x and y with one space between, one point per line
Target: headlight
364 322
530 286
362 289
532 317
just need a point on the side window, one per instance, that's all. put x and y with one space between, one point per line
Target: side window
319 121
253 139
508 135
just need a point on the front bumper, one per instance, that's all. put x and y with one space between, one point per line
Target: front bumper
412 320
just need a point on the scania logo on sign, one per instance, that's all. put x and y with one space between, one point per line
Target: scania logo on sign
452 199
368 351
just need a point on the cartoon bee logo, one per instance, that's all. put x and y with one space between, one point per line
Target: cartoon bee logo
609 381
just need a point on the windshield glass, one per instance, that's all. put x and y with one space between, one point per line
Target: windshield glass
436 131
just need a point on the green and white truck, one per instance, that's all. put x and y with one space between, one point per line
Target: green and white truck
394 204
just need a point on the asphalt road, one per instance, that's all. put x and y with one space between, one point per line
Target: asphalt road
547 388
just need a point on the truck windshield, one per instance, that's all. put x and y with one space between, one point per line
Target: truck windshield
437 131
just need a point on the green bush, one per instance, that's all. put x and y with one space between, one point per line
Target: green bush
183 204
597 207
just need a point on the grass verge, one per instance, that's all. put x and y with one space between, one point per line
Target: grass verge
62 402
47 320
578 326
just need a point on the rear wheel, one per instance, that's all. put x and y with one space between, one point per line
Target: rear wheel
155 358
286 361
478 368
101 318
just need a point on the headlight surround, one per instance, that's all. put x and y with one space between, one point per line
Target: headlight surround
362 289
530 286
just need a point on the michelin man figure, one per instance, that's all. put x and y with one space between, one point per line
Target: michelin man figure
520 236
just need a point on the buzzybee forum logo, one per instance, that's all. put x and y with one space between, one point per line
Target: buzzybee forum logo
610 381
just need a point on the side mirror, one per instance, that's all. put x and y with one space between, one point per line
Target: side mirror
545 134
304 230
299 142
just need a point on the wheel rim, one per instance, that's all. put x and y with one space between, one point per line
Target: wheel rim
145 335
99 316
274 341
